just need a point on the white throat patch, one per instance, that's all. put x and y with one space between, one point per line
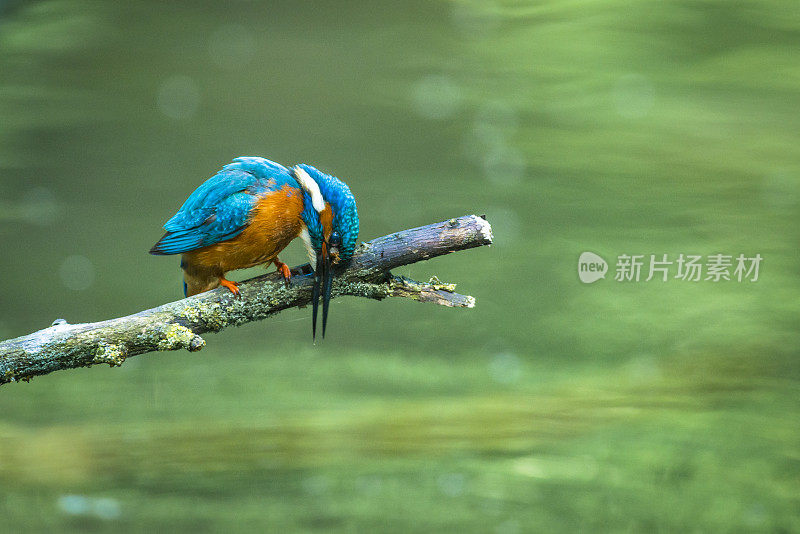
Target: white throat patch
311 187
312 256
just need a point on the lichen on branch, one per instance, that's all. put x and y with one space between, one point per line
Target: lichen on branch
179 325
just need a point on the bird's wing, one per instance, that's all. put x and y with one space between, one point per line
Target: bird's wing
217 210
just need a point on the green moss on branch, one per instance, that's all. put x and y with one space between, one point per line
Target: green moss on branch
178 325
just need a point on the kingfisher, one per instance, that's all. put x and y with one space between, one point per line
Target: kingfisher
248 212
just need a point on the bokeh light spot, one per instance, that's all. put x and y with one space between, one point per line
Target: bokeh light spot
106 508
316 485
80 505
643 369
436 97
39 206
452 484
504 165
179 97
74 504
634 95
505 368
77 273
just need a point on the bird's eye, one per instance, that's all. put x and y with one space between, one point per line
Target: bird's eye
336 239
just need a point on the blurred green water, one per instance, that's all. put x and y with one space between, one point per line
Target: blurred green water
616 127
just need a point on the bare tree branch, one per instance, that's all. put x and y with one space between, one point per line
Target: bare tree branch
178 325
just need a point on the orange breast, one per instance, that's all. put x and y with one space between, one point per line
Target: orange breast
274 223
326 219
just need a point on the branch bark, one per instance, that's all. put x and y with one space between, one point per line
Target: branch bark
178 325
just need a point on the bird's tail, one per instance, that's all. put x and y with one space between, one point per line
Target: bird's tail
176 243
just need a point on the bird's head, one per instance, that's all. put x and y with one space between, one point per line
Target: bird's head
331 230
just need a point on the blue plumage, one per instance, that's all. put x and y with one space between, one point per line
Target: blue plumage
219 209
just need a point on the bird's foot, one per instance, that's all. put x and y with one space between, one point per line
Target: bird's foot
233 287
284 270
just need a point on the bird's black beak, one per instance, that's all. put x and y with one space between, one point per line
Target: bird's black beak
323 282
319 274
327 283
